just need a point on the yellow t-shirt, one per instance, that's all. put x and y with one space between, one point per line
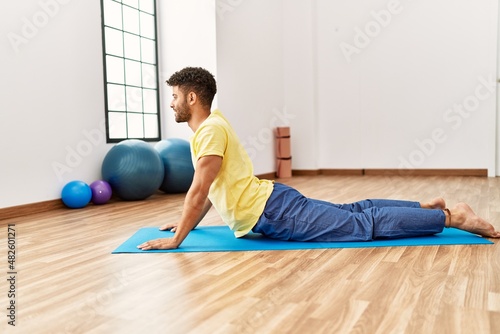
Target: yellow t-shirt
238 196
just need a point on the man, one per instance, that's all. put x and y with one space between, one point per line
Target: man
224 177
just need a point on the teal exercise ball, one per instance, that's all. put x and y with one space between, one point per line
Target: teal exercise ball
175 154
76 194
134 169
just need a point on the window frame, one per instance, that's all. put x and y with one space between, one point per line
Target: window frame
124 98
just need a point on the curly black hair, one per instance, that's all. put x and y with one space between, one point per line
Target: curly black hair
197 80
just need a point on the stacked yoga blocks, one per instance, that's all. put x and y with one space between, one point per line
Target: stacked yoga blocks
283 152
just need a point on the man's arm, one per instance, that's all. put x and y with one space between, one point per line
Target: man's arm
207 207
173 227
207 168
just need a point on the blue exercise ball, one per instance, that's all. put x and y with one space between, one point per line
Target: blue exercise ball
134 169
76 194
175 154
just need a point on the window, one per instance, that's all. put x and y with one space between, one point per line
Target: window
130 70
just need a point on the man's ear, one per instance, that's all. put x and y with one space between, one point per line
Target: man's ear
191 98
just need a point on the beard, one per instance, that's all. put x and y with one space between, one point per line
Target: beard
182 113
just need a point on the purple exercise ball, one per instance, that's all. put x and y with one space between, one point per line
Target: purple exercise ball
101 191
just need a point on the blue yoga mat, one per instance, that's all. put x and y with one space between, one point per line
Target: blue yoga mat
221 239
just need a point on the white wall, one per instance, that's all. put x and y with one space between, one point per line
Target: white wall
250 74
389 100
497 121
267 77
52 104
186 38
277 62
300 81
52 109
367 84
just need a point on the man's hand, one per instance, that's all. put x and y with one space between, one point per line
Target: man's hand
169 227
196 204
164 243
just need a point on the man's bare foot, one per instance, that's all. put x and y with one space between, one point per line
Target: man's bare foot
462 217
436 203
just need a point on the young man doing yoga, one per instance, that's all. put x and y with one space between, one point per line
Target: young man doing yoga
224 178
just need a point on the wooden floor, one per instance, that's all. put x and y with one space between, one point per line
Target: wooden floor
69 282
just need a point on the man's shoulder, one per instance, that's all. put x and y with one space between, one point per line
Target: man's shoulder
216 119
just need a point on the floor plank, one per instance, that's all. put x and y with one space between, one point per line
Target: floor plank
69 282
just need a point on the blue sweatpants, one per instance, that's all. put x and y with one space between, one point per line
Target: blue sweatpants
288 215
